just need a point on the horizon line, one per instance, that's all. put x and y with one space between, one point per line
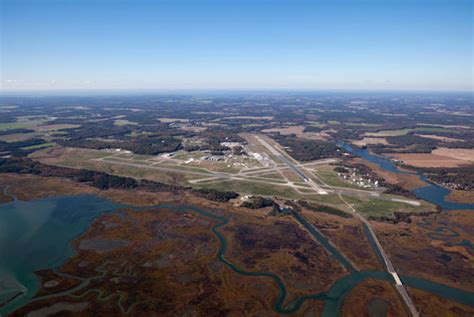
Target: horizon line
71 92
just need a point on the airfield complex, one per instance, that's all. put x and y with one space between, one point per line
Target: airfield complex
270 162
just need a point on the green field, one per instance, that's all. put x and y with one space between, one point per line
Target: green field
436 129
330 177
316 124
25 122
253 188
432 130
390 132
122 122
382 208
276 176
363 124
184 155
82 158
39 146
14 125
280 181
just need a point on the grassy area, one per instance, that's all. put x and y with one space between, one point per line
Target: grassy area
330 177
302 184
363 124
291 175
15 137
436 129
253 188
316 124
417 129
390 132
382 208
275 175
25 122
135 134
329 199
280 181
217 166
122 122
39 146
326 209
183 168
13 125
79 158
184 155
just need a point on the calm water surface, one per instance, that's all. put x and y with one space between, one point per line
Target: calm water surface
432 193
36 235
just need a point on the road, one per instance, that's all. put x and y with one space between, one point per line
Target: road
388 264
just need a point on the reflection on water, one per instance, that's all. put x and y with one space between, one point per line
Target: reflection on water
35 235
38 235
432 193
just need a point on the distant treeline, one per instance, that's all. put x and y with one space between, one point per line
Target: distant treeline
215 195
142 145
461 178
307 150
416 148
411 139
413 143
15 131
16 148
403 216
103 180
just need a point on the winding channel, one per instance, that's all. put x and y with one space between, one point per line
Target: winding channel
333 298
432 193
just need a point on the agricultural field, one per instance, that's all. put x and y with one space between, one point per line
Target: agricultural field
441 157
370 140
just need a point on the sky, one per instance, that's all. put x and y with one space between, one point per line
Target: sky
228 44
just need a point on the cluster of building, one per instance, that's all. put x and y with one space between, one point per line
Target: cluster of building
118 151
213 158
361 180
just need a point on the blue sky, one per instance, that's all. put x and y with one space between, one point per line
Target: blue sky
227 44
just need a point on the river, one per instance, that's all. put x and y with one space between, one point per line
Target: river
432 193
36 235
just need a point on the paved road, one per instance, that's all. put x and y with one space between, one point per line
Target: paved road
388 264
296 168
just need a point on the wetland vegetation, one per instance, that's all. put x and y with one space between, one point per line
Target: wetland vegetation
262 194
